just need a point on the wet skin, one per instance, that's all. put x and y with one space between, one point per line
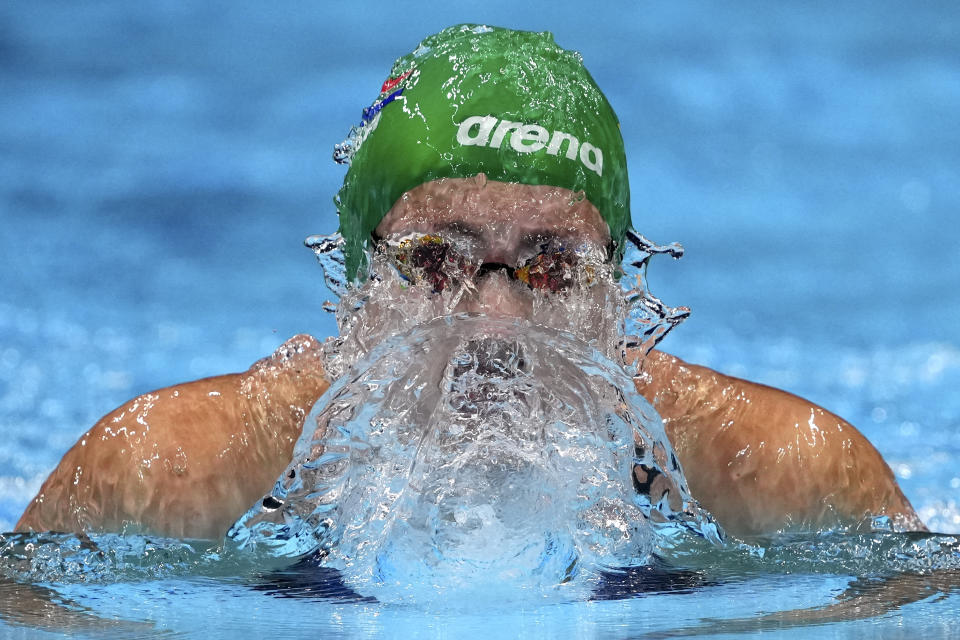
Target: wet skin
188 460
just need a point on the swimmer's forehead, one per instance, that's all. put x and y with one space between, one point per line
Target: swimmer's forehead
496 211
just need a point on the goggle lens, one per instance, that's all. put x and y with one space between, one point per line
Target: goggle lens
549 270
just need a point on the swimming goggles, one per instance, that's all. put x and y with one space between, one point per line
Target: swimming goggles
439 262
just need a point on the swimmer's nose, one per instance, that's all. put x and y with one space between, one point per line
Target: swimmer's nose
493 267
495 294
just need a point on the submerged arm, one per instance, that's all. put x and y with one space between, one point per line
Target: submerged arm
187 460
763 460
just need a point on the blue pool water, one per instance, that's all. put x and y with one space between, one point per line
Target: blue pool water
160 166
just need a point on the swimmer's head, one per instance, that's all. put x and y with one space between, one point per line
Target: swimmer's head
475 99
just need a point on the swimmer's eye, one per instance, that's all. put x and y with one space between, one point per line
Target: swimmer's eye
552 270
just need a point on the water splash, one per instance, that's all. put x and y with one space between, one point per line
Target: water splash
91 558
478 451
648 319
872 555
329 252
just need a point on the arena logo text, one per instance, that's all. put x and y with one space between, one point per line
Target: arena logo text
490 131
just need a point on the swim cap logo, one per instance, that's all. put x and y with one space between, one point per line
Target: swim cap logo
390 83
343 152
372 112
489 131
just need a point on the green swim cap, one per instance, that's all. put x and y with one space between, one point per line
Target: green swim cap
476 99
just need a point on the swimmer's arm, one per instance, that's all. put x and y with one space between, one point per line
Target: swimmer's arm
763 460
188 460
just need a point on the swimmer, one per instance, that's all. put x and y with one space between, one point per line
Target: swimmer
502 140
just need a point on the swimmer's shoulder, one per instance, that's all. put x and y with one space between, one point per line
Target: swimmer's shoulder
666 380
188 459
